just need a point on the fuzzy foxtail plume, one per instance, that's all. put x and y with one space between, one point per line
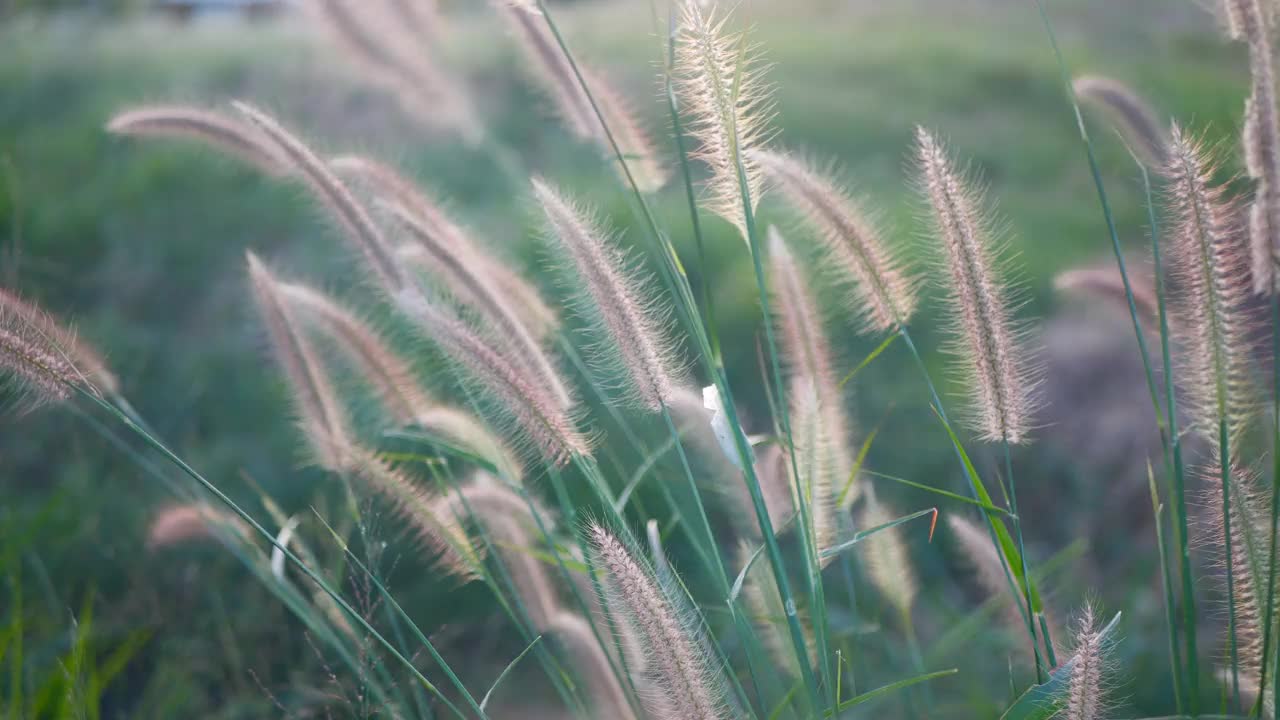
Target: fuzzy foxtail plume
214 129
434 228
532 407
87 361
1249 503
430 517
882 294
42 371
510 528
888 562
391 187
388 373
630 322
981 558
820 427
684 684
1132 117
1086 698
1208 260
1252 22
389 47
359 227
605 693
993 359
557 77
393 380
1104 282
460 269
323 422
729 107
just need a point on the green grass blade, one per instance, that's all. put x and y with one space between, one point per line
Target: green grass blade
864 534
1189 613
867 360
879 692
484 702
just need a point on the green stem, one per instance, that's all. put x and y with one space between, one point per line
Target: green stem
673 276
973 489
303 567
1188 590
1022 553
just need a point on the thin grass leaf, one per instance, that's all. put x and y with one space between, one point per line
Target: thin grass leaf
484 702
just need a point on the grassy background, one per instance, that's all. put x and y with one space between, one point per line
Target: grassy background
142 245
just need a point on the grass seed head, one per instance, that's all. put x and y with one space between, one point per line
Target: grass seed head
617 299
993 359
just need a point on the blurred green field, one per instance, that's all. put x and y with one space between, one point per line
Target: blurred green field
142 246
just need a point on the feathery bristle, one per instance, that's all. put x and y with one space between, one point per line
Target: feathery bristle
728 104
31 354
429 516
764 606
882 295
1251 21
993 361
391 187
86 360
1132 117
1207 258
1105 282
1085 699
214 129
632 324
395 56
820 427
178 524
1249 547
532 407
684 686
320 417
388 373
354 218
460 269
888 562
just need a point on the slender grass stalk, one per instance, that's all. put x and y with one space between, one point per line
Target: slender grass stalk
1022 552
979 493
1188 584
1175 654
677 283
1170 438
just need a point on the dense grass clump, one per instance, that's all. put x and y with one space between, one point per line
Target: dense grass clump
645 487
